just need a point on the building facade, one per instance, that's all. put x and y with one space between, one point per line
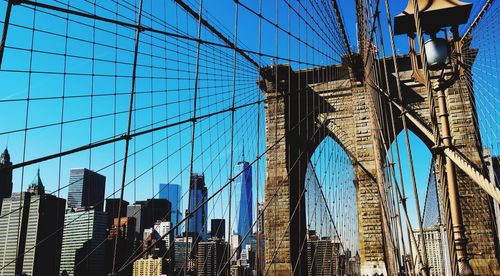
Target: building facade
9 226
235 255
86 189
322 257
211 258
260 247
5 177
184 255
135 211
124 248
353 265
112 206
31 231
493 167
245 211
147 213
433 246
218 228
172 193
197 195
154 233
84 231
162 228
148 267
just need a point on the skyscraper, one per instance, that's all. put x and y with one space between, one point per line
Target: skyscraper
31 225
244 181
197 195
218 228
148 212
183 250
125 235
154 246
135 211
493 167
172 193
322 257
353 265
5 177
260 246
86 188
234 241
83 234
211 258
433 245
112 206
159 229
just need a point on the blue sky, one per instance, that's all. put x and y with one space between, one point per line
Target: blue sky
46 140
96 71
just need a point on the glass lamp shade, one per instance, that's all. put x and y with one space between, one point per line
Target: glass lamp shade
436 50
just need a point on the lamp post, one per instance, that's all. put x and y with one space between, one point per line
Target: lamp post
431 17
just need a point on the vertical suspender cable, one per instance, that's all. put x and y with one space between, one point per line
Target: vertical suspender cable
193 133
25 138
231 157
127 137
391 111
275 65
259 230
403 116
6 23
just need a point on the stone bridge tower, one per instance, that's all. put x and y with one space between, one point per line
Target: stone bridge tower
304 107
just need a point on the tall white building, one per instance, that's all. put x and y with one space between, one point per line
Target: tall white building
493 166
9 239
434 250
84 231
235 252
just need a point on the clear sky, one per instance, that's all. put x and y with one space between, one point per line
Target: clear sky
72 80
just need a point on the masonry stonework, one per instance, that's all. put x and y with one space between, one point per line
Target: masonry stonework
304 107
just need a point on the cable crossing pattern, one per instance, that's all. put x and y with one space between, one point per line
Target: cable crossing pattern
285 137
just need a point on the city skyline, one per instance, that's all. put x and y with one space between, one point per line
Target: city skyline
152 138
174 169
74 244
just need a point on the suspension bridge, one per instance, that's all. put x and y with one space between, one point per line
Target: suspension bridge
249 137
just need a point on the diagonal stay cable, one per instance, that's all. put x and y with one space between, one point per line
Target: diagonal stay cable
157 193
127 136
132 135
226 40
218 191
105 167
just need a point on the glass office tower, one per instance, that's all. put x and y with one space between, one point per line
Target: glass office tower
172 193
197 194
244 181
84 231
86 189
